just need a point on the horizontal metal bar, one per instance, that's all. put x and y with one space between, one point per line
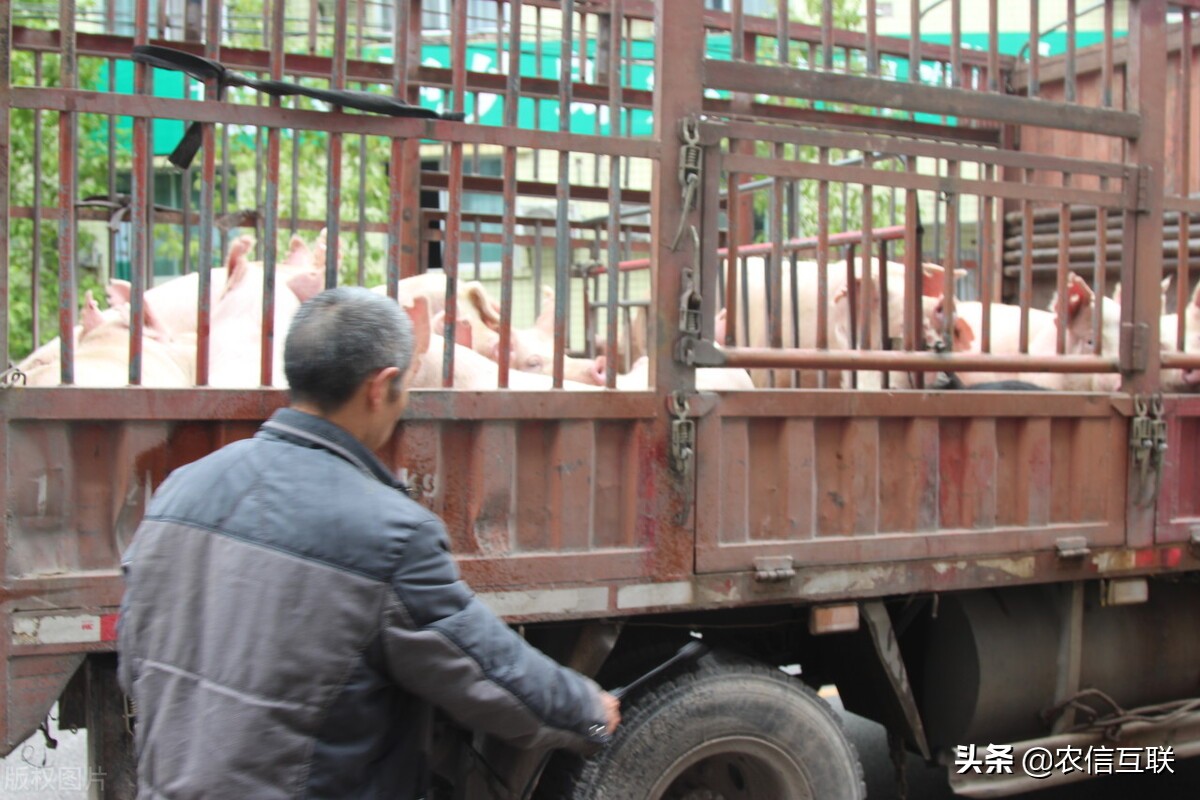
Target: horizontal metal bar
930 183
67 403
311 66
1088 60
844 239
1181 360
809 85
265 116
719 107
766 358
1191 205
788 403
798 32
875 143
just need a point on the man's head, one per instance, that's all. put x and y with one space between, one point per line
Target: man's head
347 358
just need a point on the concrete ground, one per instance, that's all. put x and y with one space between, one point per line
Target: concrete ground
36 772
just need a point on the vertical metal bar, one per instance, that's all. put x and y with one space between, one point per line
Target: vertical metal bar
869 281
1064 266
734 236
914 309
186 209
359 21
294 221
110 28
361 232
396 165
314 10
512 96
951 257
872 39
852 301
35 267
140 216
226 183
208 177
537 101
792 233
1034 47
1106 70
827 35
458 65
1142 270
1071 82
885 342
775 266
914 42
781 32
617 10
993 68
678 93
271 225
1183 271
1025 291
333 198
738 32
1101 269
5 230
823 260
67 300
956 80
987 260
562 245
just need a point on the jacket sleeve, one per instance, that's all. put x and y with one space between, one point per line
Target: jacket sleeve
443 644
126 673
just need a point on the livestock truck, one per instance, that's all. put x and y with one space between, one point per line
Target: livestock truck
996 573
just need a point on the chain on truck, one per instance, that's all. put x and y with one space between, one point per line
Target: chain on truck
866 412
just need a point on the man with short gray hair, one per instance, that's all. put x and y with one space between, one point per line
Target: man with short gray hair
290 615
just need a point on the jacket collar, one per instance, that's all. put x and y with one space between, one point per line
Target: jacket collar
309 430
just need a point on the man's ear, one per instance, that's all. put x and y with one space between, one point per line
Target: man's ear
379 387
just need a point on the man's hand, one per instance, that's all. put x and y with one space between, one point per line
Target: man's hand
612 711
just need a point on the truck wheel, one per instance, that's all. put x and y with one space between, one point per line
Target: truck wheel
729 730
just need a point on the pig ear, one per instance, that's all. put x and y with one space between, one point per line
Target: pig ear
318 249
236 257
933 283
463 336
1079 296
236 265
118 292
545 320
418 312
476 296
307 285
298 254
92 318
1116 298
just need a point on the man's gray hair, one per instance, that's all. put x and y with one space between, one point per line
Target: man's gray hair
338 339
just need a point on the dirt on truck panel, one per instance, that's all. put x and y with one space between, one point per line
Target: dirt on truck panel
859 343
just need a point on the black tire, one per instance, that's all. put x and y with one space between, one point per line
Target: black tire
730 729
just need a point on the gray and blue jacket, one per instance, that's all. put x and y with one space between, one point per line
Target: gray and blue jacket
290 618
